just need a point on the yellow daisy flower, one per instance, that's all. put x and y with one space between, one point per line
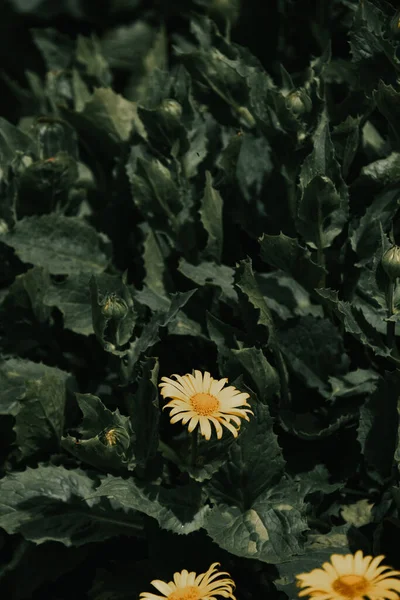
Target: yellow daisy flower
351 577
188 586
200 400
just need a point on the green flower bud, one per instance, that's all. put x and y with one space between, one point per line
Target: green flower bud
114 307
54 136
391 262
298 102
245 117
171 109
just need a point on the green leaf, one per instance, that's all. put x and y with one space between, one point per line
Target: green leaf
301 344
89 55
12 140
144 411
211 218
253 165
254 464
366 237
385 171
283 252
35 395
256 512
177 509
28 291
57 49
72 298
270 530
318 549
150 332
355 322
259 315
209 273
62 245
263 374
53 503
105 436
355 383
387 98
323 206
153 262
377 429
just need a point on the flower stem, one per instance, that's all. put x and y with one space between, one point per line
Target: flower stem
283 377
390 325
194 447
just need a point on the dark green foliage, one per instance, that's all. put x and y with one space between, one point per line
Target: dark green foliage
197 185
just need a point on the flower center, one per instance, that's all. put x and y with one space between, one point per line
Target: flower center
187 593
204 404
351 586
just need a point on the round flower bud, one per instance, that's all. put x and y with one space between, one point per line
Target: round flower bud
114 307
391 262
171 108
298 102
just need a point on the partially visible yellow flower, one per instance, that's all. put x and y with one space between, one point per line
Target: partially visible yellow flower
200 400
351 577
188 586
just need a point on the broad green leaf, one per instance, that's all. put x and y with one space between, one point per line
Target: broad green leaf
105 440
301 344
323 206
253 165
144 411
209 273
55 504
62 245
283 252
29 292
254 463
270 530
211 218
35 395
377 424
177 509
